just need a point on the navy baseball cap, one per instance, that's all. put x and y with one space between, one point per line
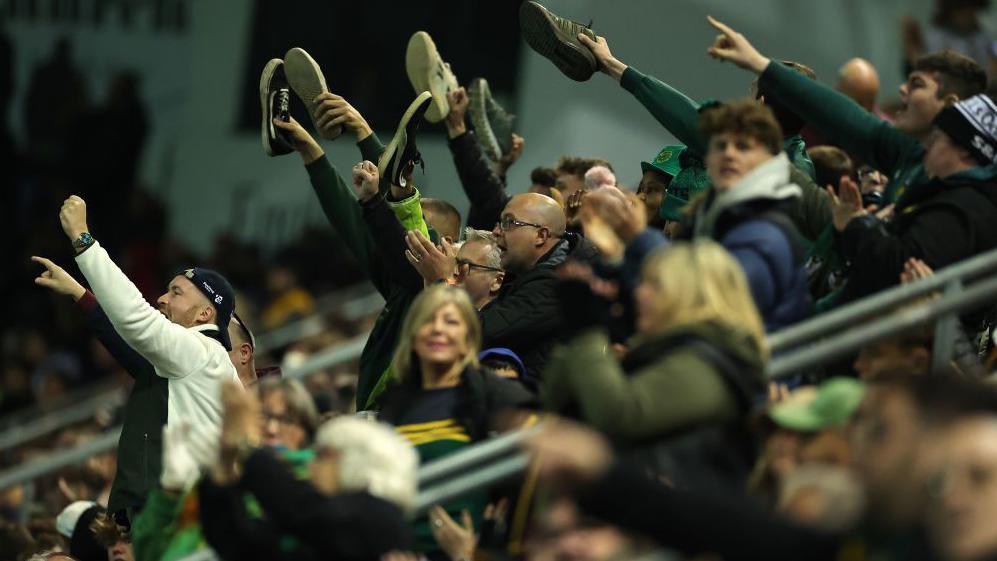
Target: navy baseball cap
506 355
218 290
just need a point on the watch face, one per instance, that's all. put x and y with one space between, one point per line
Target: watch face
84 240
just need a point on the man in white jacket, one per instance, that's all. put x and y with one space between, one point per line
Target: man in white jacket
186 340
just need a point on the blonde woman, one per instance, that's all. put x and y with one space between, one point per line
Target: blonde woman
442 401
690 374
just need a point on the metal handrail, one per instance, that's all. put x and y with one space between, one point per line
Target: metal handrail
108 440
880 302
47 464
461 485
471 456
955 299
354 303
75 413
20 417
898 322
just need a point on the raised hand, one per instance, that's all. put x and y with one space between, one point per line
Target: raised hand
458 541
300 140
458 108
623 212
573 206
601 234
73 217
332 111
179 468
608 64
846 204
915 270
365 179
58 280
241 431
433 263
733 47
506 161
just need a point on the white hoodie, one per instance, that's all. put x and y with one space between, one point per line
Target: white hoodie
195 364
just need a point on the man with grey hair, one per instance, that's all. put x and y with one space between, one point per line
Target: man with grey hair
479 266
524 316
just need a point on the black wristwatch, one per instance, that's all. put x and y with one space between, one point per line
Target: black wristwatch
84 241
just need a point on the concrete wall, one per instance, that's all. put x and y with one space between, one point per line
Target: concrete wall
200 166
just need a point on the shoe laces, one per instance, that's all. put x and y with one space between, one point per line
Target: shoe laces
283 101
573 27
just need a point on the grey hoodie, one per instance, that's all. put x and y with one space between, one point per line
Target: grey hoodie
769 181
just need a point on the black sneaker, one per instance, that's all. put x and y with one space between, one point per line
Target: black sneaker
492 124
556 38
307 80
401 151
275 99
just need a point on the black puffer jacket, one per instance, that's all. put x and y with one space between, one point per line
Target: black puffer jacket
525 316
947 221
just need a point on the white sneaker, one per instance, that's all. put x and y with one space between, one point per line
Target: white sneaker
427 72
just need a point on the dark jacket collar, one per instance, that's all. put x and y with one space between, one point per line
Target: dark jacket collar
481 395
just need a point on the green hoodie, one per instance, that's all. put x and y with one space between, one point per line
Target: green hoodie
877 142
346 215
678 113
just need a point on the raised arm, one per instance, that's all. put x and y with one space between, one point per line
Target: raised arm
483 187
332 110
338 202
174 350
134 364
59 281
387 227
834 114
673 109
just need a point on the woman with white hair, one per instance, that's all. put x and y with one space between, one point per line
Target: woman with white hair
682 391
362 481
443 401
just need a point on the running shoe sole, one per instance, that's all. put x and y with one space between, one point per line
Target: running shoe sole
388 166
427 72
305 77
269 131
572 58
478 94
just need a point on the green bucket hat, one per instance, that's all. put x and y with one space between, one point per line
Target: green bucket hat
667 160
831 405
689 183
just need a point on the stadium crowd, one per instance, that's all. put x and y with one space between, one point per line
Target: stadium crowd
626 329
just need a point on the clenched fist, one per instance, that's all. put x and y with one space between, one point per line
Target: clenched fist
365 179
73 217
